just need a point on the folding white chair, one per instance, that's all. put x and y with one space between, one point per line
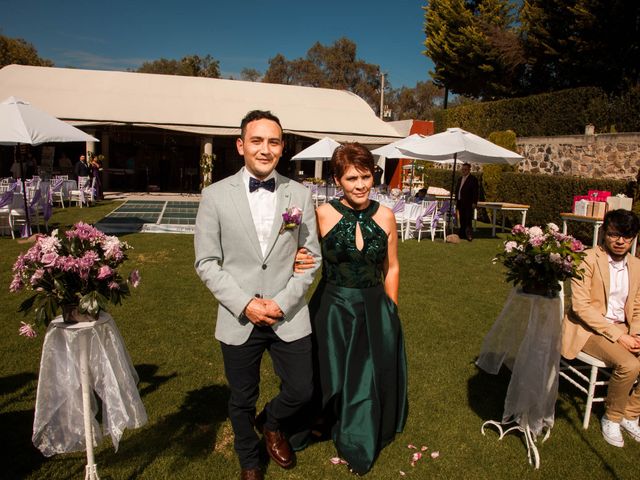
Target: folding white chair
78 195
398 211
439 221
424 220
571 370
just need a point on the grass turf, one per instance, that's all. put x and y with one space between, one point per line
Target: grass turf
449 297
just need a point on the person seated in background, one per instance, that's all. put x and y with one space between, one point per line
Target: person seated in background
421 195
604 321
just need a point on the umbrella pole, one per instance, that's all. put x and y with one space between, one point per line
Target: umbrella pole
453 186
27 231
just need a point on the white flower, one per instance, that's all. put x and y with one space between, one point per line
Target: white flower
536 232
509 246
555 258
553 227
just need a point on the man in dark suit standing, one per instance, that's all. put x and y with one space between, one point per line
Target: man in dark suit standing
466 201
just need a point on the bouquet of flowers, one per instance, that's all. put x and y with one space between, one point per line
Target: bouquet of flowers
77 269
538 259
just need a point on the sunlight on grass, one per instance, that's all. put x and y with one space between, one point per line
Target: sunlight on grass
449 297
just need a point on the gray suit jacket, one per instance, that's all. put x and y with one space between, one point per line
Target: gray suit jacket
229 259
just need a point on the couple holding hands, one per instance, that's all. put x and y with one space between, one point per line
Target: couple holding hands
341 360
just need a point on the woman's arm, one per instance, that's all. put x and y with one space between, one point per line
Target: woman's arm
391 264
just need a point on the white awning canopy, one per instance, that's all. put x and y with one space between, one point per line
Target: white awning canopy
191 104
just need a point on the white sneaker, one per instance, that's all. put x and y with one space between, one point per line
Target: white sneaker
611 432
632 428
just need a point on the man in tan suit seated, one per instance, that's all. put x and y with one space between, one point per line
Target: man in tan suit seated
604 321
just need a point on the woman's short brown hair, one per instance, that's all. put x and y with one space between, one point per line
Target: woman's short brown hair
351 154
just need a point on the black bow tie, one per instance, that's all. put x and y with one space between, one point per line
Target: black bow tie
255 184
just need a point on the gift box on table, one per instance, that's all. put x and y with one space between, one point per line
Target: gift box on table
598 195
583 207
619 202
577 198
598 209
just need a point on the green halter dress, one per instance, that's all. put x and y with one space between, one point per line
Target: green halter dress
361 363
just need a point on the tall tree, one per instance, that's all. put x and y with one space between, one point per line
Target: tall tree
416 103
475 47
571 43
188 66
334 66
21 52
250 75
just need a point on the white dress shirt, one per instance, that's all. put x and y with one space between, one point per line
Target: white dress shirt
618 290
262 203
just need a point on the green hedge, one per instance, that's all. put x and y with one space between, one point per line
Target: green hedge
564 112
547 195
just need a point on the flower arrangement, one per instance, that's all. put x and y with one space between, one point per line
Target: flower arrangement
291 218
77 269
538 259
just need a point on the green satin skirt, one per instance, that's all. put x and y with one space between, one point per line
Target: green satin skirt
361 369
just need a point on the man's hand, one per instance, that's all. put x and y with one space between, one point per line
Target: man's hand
263 312
630 342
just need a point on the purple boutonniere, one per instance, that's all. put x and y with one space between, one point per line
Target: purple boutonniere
291 218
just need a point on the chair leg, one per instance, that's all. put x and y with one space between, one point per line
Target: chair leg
593 375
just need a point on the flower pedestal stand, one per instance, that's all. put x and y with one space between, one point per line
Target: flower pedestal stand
526 338
79 359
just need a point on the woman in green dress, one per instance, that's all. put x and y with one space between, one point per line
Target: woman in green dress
359 349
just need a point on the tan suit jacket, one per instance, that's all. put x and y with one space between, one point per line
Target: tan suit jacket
589 297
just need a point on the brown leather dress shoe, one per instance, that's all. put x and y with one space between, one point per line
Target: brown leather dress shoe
251 474
278 448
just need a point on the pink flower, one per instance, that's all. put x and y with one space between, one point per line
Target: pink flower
134 278
518 229
576 246
37 275
49 259
536 241
114 286
16 284
26 330
105 271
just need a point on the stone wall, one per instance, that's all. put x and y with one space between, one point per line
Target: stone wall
615 155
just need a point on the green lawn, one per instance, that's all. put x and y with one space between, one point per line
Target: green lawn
449 297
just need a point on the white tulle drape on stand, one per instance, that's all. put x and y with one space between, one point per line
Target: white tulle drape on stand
59 417
526 337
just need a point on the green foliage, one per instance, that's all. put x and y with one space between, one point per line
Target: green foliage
20 52
474 46
559 113
494 49
206 169
491 178
506 139
335 66
188 66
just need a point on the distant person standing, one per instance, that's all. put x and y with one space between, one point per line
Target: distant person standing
377 175
96 168
81 168
466 201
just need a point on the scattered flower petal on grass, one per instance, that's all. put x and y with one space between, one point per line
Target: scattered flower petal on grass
435 454
424 449
26 330
402 474
416 456
337 461
411 446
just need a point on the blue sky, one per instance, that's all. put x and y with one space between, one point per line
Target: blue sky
116 35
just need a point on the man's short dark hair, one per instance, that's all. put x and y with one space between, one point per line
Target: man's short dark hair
254 115
624 222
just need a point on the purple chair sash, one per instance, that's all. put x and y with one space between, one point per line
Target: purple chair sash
7 197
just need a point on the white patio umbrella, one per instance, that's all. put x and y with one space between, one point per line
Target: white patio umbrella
461 145
322 151
392 150
22 123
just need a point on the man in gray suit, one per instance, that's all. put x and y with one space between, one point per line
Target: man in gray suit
245 252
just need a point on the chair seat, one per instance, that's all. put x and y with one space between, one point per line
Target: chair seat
586 358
